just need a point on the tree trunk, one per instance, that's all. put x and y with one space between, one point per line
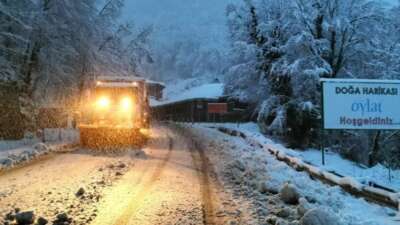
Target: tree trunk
318 26
332 56
373 155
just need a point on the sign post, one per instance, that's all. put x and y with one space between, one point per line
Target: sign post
355 104
322 127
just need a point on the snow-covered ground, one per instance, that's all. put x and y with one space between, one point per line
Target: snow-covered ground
190 89
334 162
261 167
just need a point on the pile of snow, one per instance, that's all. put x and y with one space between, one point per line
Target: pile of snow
190 89
289 194
15 157
318 217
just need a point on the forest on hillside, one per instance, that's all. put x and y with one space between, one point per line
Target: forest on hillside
281 48
49 50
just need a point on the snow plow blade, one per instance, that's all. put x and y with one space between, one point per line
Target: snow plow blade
106 138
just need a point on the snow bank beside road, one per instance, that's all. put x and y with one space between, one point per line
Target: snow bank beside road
14 153
334 162
349 184
261 167
5 145
15 157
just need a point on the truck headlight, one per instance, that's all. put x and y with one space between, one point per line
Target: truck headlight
126 104
103 102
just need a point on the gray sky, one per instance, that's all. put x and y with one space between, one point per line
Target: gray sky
392 2
203 20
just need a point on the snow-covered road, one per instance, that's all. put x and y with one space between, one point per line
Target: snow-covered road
173 185
169 182
186 175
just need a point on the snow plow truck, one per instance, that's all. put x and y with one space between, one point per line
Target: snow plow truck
115 114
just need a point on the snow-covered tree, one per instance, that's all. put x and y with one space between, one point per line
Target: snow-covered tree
188 59
281 48
244 79
346 30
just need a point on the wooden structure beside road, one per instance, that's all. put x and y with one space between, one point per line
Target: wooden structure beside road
199 110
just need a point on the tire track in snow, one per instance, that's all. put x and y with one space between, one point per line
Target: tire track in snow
201 163
137 200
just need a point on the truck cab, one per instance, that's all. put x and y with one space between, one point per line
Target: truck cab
115 112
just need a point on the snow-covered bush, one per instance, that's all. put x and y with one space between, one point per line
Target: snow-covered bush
297 121
303 124
294 79
272 116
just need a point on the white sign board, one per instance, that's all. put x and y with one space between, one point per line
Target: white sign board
361 104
